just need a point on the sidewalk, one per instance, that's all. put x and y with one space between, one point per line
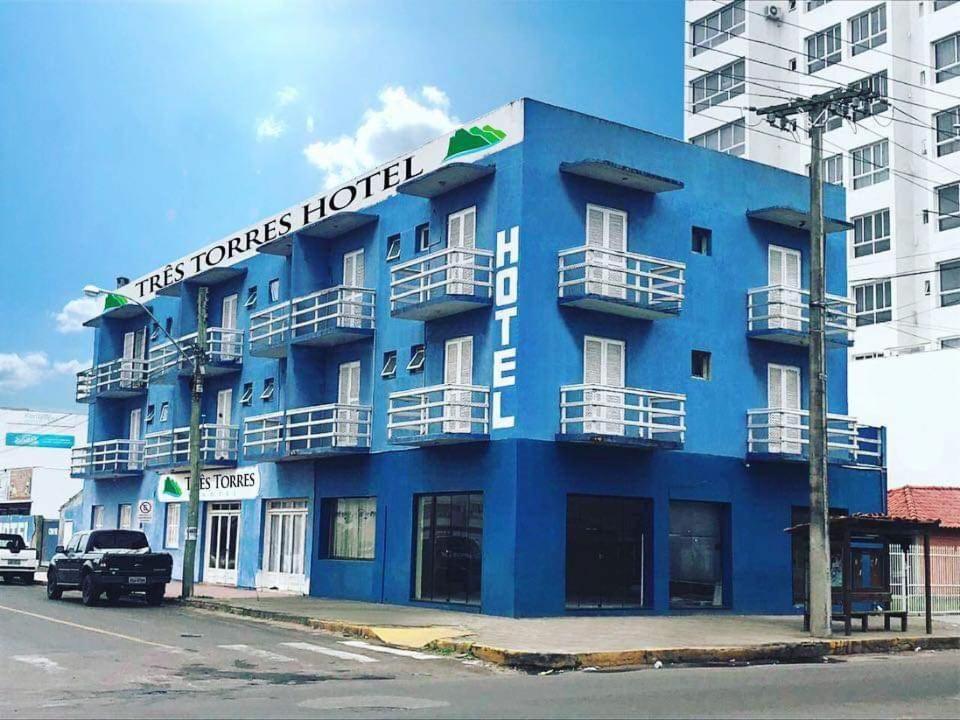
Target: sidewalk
576 642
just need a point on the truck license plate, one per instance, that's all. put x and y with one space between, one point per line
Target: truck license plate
14 562
138 581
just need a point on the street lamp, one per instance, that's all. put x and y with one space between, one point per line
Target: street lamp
196 360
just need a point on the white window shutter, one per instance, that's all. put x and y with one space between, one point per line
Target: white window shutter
594 227
470 229
616 230
774 387
455 231
451 363
466 361
791 273
359 270
614 365
775 266
792 389
592 361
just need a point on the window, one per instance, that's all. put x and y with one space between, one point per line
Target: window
389 365
285 539
149 417
268 387
948 132
700 364
246 397
164 411
171 535
946 343
870 164
718 27
823 49
871 233
941 4
878 83
418 356
125 517
874 302
832 169
949 283
946 54
868 30
719 86
948 206
449 548
96 518
351 528
701 240
730 138
814 4
273 290
423 237
393 247
168 325
154 331
792 64
251 301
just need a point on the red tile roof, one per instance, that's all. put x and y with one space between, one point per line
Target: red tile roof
926 503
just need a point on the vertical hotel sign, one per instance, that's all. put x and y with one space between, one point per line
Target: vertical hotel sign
491 133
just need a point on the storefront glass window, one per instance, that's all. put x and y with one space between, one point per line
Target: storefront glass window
449 539
352 529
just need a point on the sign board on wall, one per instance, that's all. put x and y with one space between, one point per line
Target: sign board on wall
41 441
16 485
231 484
145 511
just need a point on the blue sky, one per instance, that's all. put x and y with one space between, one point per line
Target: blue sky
131 133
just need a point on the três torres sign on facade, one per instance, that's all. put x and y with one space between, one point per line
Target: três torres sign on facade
493 132
233 484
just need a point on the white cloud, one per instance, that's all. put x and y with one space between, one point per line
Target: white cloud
402 122
75 313
287 95
270 128
19 372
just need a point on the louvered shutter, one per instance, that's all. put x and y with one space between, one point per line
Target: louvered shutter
455 231
595 227
613 365
470 229
592 362
791 390
775 266
616 230
791 271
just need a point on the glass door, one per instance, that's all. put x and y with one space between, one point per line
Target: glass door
284 542
223 532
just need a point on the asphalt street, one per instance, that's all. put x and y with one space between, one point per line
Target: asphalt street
60 659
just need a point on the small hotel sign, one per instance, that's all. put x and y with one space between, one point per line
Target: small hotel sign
233 484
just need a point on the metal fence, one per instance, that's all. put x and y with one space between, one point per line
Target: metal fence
906 579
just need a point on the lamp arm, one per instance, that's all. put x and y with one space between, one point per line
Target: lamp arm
176 344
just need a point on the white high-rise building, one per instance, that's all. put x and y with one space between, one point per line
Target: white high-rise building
900 164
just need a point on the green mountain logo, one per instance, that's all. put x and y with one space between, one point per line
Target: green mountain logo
473 140
114 301
172 487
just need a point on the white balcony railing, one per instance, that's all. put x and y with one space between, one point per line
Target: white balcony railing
438 410
784 432
223 345
622 277
107 457
452 271
126 375
336 307
777 307
171 448
308 430
270 326
623 412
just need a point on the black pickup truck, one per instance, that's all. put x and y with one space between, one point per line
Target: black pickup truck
117 562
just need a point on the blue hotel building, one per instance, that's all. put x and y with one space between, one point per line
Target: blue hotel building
546 364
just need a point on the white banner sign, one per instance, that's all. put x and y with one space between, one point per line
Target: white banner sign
228 484
145 511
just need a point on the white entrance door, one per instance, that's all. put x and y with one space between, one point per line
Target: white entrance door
606 239
229 347
351 309
603 366
784 303
284 540
129 354
461 233
347 425
458 370
223 534
783 395
223 449
134 456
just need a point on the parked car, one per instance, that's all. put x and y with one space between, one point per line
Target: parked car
16 559
115 562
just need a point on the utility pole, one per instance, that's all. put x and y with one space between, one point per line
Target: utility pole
842 102
196 394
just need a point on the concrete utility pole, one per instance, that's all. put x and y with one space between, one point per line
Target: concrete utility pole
196 394
818 108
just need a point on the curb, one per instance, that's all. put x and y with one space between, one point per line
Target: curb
799 651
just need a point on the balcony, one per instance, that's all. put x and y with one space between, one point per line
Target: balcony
123 378
171 448
447 282
780 314
308 433
224 354
334 316
437 415
620 283
108 459
270 331
624 416
784 435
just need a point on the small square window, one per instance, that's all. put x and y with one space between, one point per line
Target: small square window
700 364
393 247
251 301
701 241
792 64
164 411
274 290
267 389
389 365
149 416
423 237
169 325
154 331
418 356
247 396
